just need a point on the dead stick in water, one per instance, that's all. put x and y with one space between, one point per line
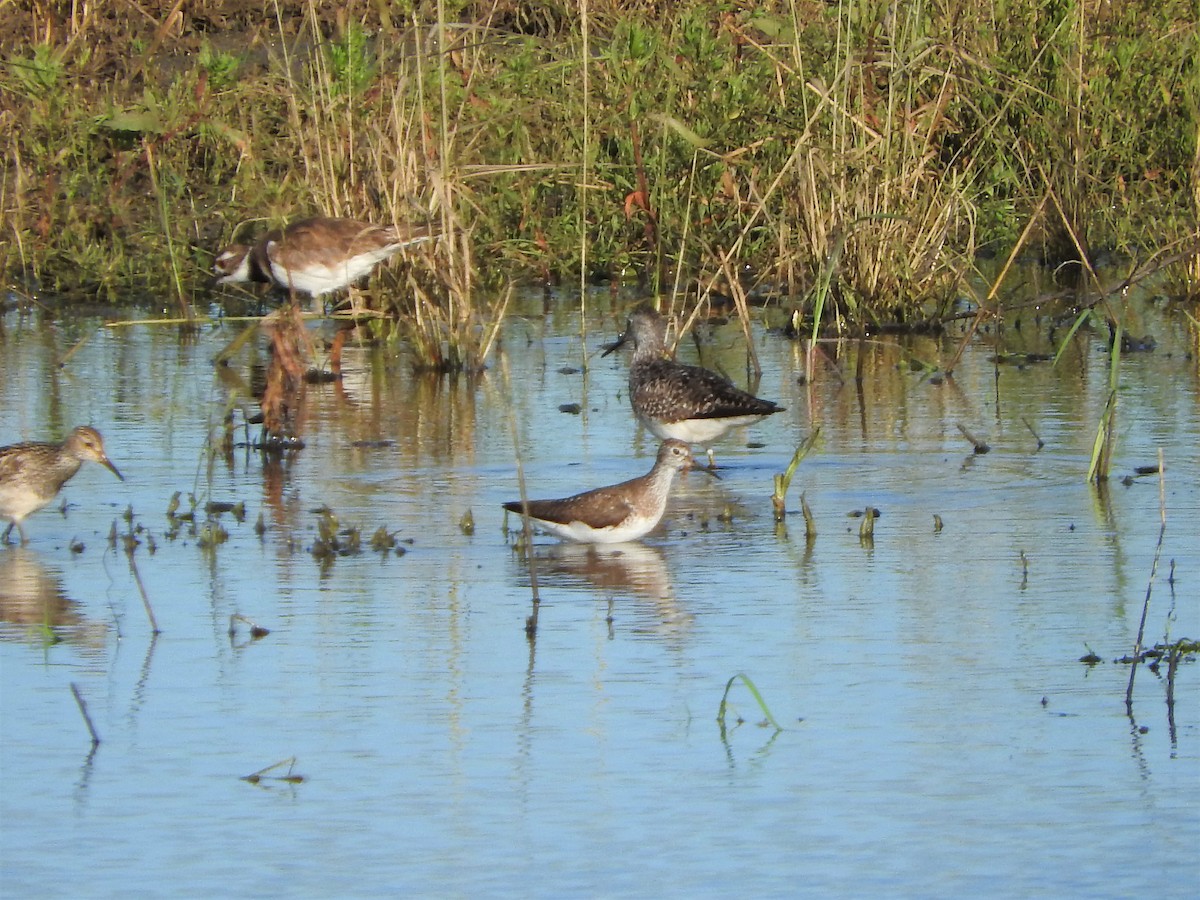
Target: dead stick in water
531 621
66 357
1037 437
1162 529
810 524
142 590
83 711
981 447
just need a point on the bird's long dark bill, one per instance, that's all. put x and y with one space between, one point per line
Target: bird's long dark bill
108 465
615 345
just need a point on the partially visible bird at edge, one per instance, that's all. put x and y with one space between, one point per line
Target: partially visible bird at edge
32 473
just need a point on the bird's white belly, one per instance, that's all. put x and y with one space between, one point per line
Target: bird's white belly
19 501
317 279
697 431
631 529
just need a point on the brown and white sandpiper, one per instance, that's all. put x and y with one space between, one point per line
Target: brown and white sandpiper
32 473
316 256
612 514
674 400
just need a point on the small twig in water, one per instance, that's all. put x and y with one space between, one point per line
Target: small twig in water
137 578
531 621
810 524
1162 529
1036 436
83 711
981 447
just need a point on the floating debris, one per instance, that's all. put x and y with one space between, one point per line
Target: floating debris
212 534
261 775
1020 359
219 507
383 541
1144 344
256 630
332 540
320 376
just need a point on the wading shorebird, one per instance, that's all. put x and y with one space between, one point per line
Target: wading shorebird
32 473
316 256
311 257
674 400
618 512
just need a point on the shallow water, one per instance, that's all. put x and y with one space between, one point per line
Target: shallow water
939 735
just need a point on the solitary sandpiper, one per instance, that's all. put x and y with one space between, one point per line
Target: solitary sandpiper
32 473
674 400
618 512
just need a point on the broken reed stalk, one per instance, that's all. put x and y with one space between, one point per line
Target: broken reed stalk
762 704
866 529
810 524
83 711
985 308
1162 529
531 621
783 481
1105 443
585 85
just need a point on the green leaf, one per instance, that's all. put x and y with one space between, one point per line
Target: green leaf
682 130
139 122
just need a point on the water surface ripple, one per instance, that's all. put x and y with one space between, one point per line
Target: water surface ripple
940 737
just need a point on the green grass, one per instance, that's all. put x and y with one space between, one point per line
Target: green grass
857 153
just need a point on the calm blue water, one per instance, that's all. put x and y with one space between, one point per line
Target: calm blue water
940 737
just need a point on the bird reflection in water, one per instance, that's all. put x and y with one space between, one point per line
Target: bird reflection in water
32 597
629 569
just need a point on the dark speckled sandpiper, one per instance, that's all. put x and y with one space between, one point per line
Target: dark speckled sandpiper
31 474
619 512
674 400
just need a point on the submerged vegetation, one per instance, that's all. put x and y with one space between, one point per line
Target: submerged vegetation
853 158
